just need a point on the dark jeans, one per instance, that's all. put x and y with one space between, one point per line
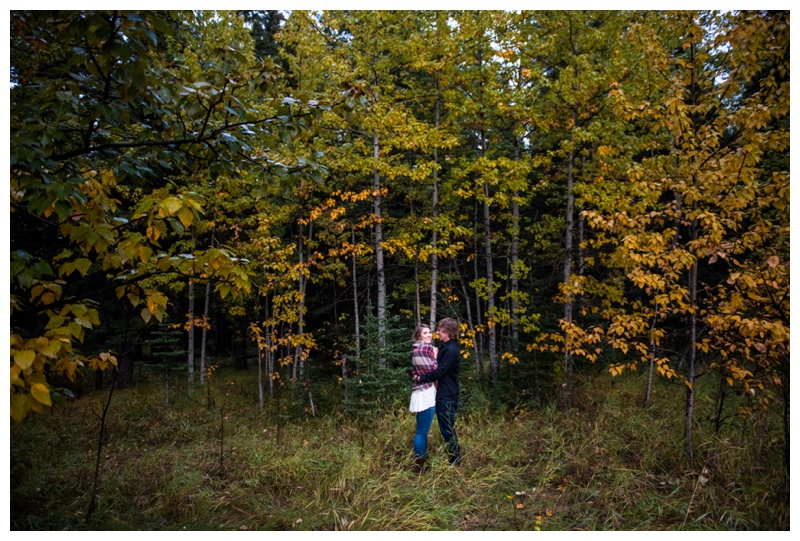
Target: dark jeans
446 416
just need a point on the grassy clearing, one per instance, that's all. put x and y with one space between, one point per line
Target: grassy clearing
613 464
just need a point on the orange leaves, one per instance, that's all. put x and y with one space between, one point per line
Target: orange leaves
320 209
578 341
749 325
648 281
616 369
523 499
347 249
663 368
256 332
627 324
203 322
209 371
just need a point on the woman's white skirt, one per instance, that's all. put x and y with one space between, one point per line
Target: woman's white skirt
423 399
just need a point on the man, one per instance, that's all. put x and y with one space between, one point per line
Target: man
446 374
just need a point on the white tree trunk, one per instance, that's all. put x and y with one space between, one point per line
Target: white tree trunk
376 204
435 213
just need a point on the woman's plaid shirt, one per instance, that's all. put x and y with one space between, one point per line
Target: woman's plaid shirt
422 360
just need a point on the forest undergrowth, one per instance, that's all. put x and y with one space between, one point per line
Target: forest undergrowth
612 464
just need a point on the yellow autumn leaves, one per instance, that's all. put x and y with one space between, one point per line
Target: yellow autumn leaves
29 388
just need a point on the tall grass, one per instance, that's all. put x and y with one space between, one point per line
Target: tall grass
612 464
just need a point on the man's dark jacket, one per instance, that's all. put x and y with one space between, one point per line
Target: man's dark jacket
446 373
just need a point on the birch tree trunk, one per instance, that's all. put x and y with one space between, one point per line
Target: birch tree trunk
270 360
344 377
690 372
652 367
204 332
206 319
379 268
490 307
417 299
190 338
478 320
435 214
478 364
690 369
260 380
568 240
190 326
355 294
515 261
298 352
568 365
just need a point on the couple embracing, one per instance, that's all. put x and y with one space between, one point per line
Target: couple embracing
435 388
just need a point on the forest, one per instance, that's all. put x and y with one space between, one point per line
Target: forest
226 225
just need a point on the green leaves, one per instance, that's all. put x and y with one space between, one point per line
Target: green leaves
109 109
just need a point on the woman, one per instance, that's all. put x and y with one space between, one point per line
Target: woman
423 395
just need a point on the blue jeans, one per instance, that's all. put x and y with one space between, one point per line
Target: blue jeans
446 416
424 420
